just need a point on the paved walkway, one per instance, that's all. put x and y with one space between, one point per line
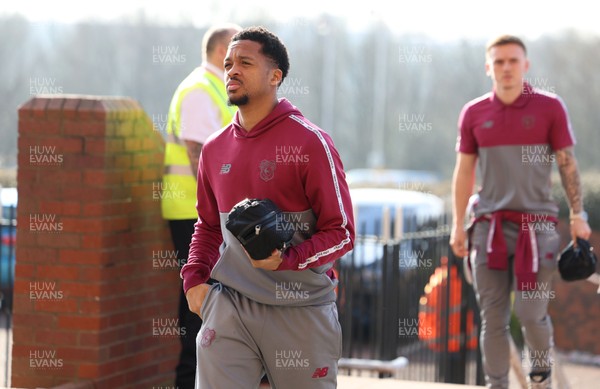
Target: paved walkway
578 376
345 382
582 377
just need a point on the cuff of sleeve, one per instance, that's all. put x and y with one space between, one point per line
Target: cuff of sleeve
288 263
466 150
190 280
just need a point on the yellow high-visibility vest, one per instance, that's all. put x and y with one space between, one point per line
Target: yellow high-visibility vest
178 189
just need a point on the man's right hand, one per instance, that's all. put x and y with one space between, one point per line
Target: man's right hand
458 241
195 297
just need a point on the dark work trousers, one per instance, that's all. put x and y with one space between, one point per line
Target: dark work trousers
181 233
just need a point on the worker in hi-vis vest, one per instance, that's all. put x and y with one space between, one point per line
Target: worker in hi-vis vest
198 109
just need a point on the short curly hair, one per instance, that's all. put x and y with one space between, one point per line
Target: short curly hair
272 47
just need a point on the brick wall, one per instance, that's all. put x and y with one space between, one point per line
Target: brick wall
575 309
91 300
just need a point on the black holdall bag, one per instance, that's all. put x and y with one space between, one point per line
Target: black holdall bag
577 263
260 227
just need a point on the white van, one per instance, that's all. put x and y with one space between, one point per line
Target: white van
385 215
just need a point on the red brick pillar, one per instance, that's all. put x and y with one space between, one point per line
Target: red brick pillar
89 295
575 307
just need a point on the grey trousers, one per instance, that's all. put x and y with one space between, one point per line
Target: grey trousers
493 289
241 339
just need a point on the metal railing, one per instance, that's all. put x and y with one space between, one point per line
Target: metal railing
393 303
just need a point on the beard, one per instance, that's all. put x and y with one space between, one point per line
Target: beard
242 100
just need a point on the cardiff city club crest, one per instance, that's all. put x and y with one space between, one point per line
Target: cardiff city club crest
208 336
528 121
267 170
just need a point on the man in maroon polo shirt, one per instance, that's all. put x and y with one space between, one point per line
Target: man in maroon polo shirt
514 133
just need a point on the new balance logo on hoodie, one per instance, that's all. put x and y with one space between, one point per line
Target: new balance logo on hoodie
225 168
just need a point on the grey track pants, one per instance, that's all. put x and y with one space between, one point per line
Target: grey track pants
493 289
241 339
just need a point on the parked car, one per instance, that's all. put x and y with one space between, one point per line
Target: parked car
8 233
383 215
413 180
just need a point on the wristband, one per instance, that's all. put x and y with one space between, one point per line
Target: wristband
581 215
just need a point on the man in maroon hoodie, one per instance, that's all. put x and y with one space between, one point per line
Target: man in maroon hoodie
276 315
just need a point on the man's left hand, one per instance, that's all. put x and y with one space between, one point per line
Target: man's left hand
580 229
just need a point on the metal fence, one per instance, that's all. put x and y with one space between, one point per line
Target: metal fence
407 297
